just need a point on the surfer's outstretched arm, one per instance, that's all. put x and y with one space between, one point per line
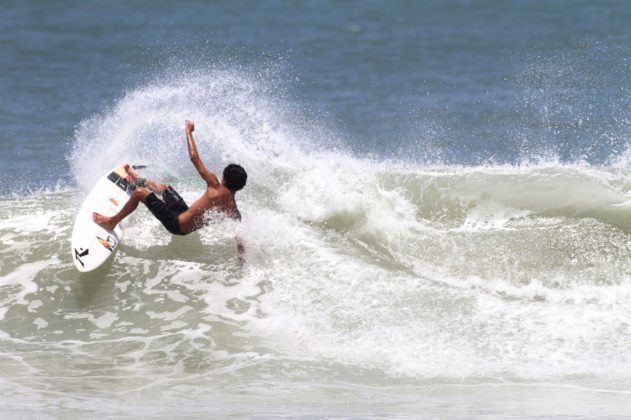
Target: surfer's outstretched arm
210 178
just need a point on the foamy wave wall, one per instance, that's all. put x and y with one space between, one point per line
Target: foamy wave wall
504 271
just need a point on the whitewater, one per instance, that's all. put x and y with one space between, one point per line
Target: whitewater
367 282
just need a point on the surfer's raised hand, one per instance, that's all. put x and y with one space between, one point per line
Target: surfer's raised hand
189 125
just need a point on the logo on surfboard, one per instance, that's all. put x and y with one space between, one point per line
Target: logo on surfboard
108 243
78 255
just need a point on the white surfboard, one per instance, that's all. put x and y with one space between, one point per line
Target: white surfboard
91 244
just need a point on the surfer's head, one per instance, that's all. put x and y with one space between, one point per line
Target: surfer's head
234 177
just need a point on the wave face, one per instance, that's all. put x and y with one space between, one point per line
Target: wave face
358 270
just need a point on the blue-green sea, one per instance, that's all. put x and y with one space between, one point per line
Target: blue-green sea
437 217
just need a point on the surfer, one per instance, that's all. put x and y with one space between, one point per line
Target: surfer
176 216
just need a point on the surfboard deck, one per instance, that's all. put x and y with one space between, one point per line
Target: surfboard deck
91 245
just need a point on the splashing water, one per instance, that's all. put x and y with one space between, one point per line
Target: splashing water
357 270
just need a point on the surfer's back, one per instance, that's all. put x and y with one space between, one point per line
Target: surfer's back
220 200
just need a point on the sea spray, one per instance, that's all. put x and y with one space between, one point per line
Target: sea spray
356 268
422 271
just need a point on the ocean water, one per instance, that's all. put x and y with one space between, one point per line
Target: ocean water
437 216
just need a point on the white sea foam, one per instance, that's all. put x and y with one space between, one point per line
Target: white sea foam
23 276
500 273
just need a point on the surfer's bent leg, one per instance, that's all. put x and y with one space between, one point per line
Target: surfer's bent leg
110 223
139 181
167 211
173 200
154 186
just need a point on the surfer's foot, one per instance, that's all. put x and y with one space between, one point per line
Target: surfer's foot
107 223
132 175
139 181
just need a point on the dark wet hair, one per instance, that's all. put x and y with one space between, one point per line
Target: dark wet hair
234 177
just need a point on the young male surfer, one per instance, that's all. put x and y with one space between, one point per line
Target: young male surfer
176 216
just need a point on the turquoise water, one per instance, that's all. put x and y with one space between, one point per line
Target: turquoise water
437 214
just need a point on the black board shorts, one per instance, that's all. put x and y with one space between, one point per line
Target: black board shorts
167 210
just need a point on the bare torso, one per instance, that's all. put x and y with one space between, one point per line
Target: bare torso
214 199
